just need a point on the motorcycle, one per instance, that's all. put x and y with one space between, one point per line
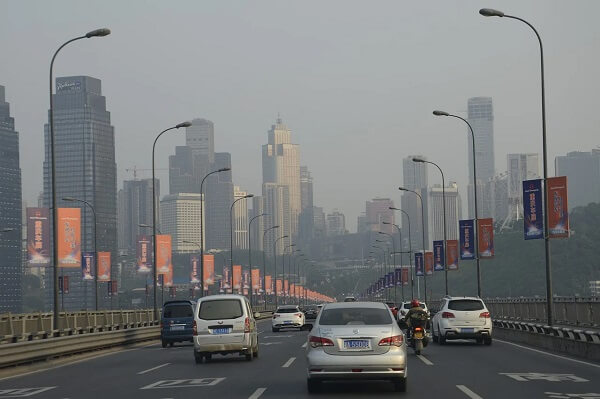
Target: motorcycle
418 339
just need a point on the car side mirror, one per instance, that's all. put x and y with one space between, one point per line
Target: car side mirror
256 315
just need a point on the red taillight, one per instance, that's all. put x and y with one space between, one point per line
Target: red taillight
485 315
298 314
447 315
418 329
195 328
396 340
247 325
317 342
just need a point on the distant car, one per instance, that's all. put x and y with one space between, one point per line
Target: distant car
358 340
405 307
176 323
393 308
349 299
311 312
287 316
224 324
462 318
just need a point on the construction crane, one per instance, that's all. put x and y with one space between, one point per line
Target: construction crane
135 170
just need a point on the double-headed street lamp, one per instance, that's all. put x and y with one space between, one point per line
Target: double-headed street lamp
275 265
488 12
250 254
412 279
265 260
154 210
71 199
202 202
231 228
420 160
95 33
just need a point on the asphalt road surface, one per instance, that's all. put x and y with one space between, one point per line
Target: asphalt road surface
456 370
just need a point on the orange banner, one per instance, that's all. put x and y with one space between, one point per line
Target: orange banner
69 237
209 270
485 235
278 287
292 289
255 279
237 277
286 287
429 263
268 285
452 254
558 215
104 266
163 253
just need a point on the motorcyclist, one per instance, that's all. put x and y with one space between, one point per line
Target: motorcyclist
416 316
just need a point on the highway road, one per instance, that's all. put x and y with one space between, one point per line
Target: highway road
457 370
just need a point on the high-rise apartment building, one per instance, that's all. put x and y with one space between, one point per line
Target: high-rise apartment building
305 219
481 118
320 222
436 211
583 176
276 199
281 166
11 266
258 226
414 178
86 170
135 208
240 219
180 218
378 211
336 223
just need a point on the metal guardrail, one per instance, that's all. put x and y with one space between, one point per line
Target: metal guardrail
591 336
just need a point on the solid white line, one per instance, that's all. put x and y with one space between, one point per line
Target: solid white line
425 360
153 368
304 344
289 362
548 353
257 393
468 392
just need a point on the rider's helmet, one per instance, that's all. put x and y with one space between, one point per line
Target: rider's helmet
415 303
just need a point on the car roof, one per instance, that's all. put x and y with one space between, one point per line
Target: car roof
287 307
340 305
452 298
178 302
221 296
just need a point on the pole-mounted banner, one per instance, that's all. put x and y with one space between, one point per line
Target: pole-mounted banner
533 216
466 231
558 216
438 256
419 266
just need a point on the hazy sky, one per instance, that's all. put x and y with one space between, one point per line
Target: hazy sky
356 81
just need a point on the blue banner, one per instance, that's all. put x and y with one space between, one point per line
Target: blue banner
466 232
398 276
439 259
533 223
392 282
419 266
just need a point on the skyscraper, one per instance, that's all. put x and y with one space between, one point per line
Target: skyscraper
240 219
180 218
583 176
378 211
481 118
135 208
336 223
258 226
85 169
281 166
276 202
414 178
305 219
436 211
11 296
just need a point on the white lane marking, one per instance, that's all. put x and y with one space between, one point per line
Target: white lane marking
304 344
22 392
425 360
468 392
548 353
277 336
257 393
289 362
197 382
154 368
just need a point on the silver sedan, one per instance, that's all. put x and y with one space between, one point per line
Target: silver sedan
356 340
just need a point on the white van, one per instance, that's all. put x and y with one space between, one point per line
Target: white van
224 324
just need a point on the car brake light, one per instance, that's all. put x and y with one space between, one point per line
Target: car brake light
298 314
396 340
447 315
485 315
195 328
418 329
247 325
317 342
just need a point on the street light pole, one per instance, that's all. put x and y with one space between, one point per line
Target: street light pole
154 221
412 278
394 258
54 205
420 160
488 12
275 266
265 262
250 255
231 225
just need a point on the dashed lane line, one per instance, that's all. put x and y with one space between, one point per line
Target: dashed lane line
425 360
154 368
289 362
548 353
257 393
468 392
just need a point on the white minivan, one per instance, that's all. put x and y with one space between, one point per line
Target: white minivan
224 324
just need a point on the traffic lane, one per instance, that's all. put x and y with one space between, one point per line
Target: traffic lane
503 370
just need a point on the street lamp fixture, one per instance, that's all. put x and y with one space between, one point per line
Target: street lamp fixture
490 12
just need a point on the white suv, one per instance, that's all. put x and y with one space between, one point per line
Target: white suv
286 317
462 318
405 307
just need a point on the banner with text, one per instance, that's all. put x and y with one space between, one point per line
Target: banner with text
438 256
69 237
103 266
38 237
237 277
558 217
485 235
466 231
194 269
398 276
533 215
87 265
144 253
452 254
256 280
429 263
419 266
209 270
405 277
163 253
226 281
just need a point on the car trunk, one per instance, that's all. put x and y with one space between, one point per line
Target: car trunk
466 312
349 340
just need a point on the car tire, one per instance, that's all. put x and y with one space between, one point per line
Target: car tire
400 384
164 343
479 340
198 358
171 344
275 329
434 337
249 356
208 357
312 385
487 341
256 351
441 339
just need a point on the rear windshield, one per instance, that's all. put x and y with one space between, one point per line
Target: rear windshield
220 309
179 310
355 316
407 305
287 310
465 304
310 308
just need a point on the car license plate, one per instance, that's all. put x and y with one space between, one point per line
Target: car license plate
287 322
177 328
418 334
221 331
357 344
467 330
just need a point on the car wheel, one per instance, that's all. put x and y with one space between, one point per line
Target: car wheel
400 384
434 337
441 338
479 340
275 329
249 356
164 343
256 350
312 385
208 357
171 344
487 341
198 358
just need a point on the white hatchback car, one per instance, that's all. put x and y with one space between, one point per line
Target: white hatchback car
224 324
405 307
286 317
462 318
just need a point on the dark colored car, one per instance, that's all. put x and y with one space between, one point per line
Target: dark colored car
311 312
176 324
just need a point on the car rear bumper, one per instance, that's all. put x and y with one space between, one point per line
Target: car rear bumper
458 333
323 366
288 325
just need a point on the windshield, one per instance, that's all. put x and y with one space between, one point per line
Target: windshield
355 316
220 309
465 304
287 310
178 310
